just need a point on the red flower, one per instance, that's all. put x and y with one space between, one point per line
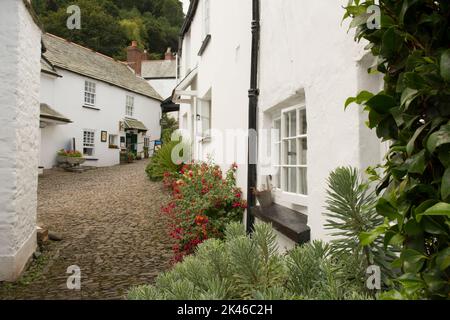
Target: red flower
201 220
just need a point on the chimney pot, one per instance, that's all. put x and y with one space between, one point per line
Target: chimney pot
134 44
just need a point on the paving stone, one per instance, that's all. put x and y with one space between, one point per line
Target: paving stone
112 229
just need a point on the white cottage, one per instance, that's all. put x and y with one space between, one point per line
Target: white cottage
94 104
20 52
306 66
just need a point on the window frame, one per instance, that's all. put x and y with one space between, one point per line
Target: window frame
90 93
300 195
128 106
88 145
203 104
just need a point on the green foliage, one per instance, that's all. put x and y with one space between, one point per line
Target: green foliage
108 26
351 216
161 162
251 267
169 126
413 114
203 203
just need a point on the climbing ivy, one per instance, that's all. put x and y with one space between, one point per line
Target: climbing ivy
411 47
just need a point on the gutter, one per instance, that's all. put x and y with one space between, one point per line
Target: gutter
253 95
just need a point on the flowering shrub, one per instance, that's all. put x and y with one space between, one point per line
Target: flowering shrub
70 153
203 203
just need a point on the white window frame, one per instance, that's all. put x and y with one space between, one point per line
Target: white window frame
90 144
205 130
90 93
298 197
129 106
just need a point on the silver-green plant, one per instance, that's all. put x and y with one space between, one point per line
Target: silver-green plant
251 267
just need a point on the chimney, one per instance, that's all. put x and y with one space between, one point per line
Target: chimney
169 55
135 57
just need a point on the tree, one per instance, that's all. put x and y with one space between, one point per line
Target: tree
413 114
108 26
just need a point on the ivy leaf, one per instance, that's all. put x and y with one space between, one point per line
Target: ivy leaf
411 283
445 65
417 163
411 143
440 209
439 138
443 259
412 260
445 187
381 103
385 209
408 96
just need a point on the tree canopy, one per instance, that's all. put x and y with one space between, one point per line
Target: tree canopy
108 26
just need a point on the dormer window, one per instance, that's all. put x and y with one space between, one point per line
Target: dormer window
89 93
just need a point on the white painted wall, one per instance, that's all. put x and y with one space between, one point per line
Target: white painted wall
224 69
306 56
304 47
20 53
66 95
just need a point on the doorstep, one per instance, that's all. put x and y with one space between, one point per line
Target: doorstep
289 222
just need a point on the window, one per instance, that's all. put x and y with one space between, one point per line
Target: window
291 149
88 142
113 141
205 118
129 106
146 142
89 93
206 17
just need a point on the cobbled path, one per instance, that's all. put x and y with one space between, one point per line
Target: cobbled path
112 230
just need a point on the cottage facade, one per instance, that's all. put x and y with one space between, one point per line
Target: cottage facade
307 68
94 104
20 52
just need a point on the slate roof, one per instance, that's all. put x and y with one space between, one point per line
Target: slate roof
159 69
134 124
48 68
48 113
73 57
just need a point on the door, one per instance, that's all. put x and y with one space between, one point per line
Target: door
132 142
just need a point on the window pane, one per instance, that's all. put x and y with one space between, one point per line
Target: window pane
303 182
293 124
290 149
292 185
303 147
303 123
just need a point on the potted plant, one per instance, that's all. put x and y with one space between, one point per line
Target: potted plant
70 157
130 157
264 195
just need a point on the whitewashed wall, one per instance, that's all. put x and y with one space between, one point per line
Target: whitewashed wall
224 68
307 56
66 95
304 47
20 52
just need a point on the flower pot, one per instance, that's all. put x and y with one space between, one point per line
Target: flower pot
265 198
70 160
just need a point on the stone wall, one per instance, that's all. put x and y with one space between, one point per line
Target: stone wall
20 52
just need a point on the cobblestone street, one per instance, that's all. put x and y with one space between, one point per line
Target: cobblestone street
110 222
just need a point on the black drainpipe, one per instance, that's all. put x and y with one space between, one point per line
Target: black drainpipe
253 95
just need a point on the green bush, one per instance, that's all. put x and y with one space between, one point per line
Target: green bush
412 113
251 267
161 162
